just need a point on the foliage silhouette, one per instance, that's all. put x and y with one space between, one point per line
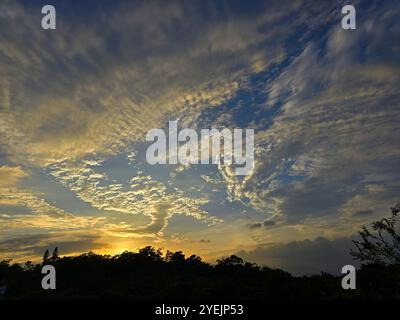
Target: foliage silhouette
46 256
382 245
149 275
55 254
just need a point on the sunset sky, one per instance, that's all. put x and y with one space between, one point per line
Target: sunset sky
76 104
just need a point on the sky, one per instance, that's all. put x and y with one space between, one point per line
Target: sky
77 102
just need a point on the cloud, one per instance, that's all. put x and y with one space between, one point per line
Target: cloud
35 245
30 210
111 86
362 213
90 91
9 176
145 196
259 225
204 241
335 133
304 257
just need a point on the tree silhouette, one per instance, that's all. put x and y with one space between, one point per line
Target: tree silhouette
382 244
55 254
175 257
230 261
149 275
150 252
46 256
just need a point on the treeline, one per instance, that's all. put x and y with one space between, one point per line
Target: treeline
148 274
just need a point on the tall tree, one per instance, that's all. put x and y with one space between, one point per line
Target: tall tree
46 256
55 254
